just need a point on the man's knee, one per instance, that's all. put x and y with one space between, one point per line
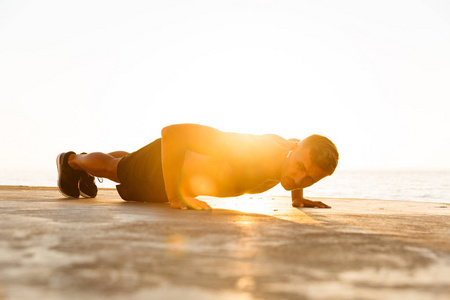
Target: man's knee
112 169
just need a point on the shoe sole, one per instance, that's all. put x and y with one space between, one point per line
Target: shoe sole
83 194
58 159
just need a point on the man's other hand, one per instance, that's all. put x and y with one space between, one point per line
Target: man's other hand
189 203
308 203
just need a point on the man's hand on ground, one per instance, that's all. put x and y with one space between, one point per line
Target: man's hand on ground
308 203
189 202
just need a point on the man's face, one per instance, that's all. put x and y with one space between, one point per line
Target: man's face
298 171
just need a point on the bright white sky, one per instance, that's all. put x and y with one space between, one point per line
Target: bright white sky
373 76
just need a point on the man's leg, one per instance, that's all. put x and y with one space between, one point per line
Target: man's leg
98 164
118 154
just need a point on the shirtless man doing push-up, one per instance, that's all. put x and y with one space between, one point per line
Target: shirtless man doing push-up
193 160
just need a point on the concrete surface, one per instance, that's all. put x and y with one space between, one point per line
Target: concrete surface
246 248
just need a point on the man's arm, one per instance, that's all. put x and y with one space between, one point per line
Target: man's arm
176 141
299 201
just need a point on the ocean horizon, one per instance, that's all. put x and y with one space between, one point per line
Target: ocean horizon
407 185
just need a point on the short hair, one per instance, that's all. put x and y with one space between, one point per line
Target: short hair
323 153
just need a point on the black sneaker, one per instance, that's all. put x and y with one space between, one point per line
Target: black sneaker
67 177
87 186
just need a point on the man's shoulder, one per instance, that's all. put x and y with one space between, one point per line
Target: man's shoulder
278 140
273 136
264 140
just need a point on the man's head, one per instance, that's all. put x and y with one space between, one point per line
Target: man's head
309 161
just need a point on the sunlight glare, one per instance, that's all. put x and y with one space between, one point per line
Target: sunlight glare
202 185
176 244
278 207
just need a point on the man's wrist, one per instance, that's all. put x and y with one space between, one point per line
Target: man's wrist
297 194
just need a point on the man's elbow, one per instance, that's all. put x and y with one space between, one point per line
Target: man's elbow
176 129
166 130
174 134
169 131
163 132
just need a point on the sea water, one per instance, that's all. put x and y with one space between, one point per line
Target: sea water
408 185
